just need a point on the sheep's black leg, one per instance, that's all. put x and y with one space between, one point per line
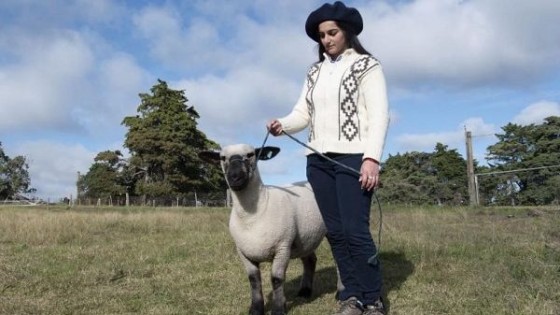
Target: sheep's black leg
254 274
278 274
257 300
278 298
309 264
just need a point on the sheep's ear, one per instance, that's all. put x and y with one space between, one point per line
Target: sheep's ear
266 153
209 156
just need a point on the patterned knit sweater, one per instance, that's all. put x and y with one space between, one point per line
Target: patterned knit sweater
344 104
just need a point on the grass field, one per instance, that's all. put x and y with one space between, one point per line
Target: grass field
183 261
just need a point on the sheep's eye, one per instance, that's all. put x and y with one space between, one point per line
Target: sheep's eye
250 155
223 158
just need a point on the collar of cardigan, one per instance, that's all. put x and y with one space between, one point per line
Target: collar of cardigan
347 52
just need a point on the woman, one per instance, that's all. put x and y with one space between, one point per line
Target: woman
344 105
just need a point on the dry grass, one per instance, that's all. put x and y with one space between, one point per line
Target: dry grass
182 261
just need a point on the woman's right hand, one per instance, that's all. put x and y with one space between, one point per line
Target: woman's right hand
274 127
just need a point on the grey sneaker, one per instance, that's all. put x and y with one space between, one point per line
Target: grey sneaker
351 306
377 308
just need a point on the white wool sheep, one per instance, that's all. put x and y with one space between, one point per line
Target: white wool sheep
269 223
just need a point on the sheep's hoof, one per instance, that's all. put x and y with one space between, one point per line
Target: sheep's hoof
305 292
257 309
256 312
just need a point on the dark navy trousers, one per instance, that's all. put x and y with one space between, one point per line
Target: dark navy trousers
345 209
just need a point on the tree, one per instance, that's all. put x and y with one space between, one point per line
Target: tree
404 177
513 147
104 179
425 178
541 186
526 147
14 176
163 140
450 169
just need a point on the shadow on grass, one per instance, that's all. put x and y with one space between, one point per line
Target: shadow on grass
395 267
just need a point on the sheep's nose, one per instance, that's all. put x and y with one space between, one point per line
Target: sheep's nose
236 172
237 176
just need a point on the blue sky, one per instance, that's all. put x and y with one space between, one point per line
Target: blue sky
70 71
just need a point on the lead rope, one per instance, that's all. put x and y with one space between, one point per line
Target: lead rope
262 147
373 260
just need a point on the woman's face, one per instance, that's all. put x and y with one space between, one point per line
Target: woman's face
332 38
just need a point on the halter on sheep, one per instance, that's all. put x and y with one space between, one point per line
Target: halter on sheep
269 223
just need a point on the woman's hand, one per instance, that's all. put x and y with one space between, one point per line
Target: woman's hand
274 127
369 174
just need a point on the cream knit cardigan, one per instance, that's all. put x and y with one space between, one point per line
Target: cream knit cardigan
344 104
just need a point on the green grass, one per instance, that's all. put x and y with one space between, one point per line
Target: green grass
183 261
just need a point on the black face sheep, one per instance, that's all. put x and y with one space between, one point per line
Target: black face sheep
269 223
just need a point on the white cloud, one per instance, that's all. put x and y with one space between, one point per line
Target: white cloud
67 82
119 80
478 127
192 44
40 15
53 166
426 142
537 112
241 102
454 139
199 44
458 43
483 132
37 91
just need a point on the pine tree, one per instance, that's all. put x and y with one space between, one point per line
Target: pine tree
163 140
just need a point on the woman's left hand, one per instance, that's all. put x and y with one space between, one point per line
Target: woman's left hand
369 174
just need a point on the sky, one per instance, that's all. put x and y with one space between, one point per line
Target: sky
71 70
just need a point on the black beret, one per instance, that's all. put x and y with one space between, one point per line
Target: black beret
333 12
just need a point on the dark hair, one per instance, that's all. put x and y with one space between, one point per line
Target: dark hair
351 40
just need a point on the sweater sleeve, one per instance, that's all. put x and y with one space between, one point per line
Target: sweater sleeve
374 93
299 117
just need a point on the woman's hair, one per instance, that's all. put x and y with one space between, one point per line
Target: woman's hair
351 40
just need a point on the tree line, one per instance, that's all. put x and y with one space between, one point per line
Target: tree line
523 167
163 140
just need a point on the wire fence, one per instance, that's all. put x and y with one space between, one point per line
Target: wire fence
154 201
20 202
190 200
531 186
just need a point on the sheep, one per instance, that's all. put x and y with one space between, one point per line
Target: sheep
269 223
